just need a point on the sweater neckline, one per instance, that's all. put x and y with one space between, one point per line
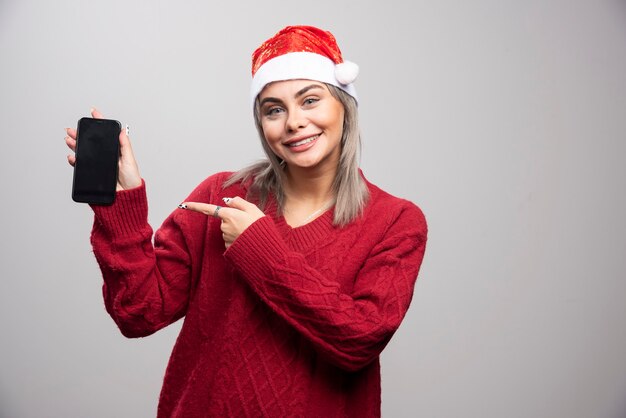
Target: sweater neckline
304 236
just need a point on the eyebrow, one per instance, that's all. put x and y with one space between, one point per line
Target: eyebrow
299 93
307 88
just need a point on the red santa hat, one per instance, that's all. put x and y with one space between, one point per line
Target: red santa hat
301 52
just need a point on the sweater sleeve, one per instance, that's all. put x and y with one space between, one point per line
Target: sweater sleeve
350 330
146 286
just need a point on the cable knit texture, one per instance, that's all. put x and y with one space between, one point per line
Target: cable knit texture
288 322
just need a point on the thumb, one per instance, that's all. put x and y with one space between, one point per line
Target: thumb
124 140
95 113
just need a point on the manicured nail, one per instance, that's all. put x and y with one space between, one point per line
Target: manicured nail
182 206
226 200
127 130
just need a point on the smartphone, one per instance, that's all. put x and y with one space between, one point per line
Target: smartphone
97 155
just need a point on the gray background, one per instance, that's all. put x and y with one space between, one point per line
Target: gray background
504 120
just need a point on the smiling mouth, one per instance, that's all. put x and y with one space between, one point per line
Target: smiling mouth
304 141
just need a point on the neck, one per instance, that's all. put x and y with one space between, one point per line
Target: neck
311 186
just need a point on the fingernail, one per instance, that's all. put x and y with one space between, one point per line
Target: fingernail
226 200
92 109
127 130
182 206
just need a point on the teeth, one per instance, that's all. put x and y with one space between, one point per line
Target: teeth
304 141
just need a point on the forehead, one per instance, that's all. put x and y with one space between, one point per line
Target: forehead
288 88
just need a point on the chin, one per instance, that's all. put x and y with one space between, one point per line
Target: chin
303 164
310 163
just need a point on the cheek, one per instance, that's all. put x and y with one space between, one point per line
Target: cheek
271 132
335 124
334 119
272 140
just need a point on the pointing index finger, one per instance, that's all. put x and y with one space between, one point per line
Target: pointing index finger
206 208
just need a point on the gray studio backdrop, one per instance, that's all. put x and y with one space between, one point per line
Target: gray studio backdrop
504 120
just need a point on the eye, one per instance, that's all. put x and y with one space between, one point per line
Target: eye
310 101
273 111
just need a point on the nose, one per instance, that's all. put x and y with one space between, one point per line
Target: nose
295 119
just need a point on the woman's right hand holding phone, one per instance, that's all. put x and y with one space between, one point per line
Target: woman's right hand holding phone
128 172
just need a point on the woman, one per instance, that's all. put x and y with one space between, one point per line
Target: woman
294 285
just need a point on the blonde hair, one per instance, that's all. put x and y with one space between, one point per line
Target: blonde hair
351 193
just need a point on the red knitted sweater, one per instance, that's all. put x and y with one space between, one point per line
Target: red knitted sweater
288 322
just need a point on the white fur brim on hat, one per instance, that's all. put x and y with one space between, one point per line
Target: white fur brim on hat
306 66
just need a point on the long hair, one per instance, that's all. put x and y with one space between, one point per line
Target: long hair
351 193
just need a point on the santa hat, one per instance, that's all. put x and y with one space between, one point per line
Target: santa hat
301 52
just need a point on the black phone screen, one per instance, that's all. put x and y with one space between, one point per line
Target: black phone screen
97 154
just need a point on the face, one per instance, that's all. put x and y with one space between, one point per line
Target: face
302 123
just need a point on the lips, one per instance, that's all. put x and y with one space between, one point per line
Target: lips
300 142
